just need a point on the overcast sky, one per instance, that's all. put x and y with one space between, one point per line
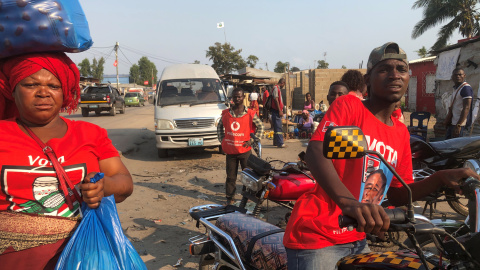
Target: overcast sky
298 32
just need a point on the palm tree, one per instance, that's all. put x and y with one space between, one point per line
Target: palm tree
422 52
460 14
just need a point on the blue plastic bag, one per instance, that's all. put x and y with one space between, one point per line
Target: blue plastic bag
42 26
99 242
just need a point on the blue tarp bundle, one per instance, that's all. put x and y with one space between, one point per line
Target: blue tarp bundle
42 26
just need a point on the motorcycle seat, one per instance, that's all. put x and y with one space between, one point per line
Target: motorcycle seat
464 147
260 244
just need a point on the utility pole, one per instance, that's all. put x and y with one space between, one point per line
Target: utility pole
116 60
266 65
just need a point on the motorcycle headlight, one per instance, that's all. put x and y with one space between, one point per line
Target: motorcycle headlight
472 164
251 180
164 124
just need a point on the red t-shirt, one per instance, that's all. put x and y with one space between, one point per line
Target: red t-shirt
397 113
314 220
265 96
28 181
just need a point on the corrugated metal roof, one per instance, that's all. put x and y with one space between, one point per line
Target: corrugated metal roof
458 45
426 59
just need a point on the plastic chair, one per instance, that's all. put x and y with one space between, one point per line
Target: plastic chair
421 128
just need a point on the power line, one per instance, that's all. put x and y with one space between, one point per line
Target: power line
173 61
96 53
125 55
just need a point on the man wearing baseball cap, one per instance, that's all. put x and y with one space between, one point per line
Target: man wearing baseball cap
313 237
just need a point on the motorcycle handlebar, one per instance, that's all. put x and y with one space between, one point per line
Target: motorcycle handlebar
396 215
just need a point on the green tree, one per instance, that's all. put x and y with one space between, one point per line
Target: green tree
344 67
225 58
196 62
252 61
280 67
147 70
461 15
97 68
134 74
422 52
85 68
322 64
294 69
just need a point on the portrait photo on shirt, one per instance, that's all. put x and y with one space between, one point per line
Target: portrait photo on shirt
376 181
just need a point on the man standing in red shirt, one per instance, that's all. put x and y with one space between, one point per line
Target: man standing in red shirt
234 132
313 237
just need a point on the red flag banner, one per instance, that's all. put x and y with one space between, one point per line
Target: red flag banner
115 63
145 83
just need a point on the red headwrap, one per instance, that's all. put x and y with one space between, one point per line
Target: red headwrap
15 69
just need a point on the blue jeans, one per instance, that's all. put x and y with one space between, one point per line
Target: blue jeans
277 128
450 129
324 258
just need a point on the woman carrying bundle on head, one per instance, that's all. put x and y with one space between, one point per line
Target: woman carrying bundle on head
47 161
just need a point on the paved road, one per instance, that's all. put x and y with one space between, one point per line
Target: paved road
123 129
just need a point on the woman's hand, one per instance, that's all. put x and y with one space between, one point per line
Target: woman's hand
92 193
371 218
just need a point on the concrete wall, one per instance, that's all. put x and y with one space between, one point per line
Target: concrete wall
313 81
470 52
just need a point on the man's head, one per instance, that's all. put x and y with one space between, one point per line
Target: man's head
354 79
281 82
387 73
374 187
458 76
238 95
337 89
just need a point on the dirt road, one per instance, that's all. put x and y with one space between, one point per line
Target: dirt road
155 217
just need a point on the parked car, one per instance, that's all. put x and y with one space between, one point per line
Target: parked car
100 98
134 99
188 106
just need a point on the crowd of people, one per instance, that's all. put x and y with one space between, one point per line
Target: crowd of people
35 87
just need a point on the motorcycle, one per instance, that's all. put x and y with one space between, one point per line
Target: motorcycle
427 158
234 240
261 181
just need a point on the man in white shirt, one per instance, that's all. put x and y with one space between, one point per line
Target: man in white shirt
459 114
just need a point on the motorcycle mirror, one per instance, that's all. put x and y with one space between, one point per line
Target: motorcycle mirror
344 143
